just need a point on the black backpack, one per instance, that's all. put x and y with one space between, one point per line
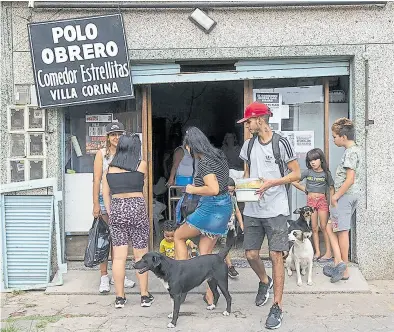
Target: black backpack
275 149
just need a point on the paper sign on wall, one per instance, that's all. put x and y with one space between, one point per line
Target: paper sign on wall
274 101
301 141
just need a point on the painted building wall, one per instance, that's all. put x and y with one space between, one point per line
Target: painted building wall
364 33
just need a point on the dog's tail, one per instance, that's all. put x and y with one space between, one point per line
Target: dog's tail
230 241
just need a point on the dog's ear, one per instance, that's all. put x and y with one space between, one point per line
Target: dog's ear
297 211
156 260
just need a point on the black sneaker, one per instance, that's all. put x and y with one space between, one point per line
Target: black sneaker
263 292
274 319
120 302
232 272
146 301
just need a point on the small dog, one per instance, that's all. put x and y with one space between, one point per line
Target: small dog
300 255
181 276
303 223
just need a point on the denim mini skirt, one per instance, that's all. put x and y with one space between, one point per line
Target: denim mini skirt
212 215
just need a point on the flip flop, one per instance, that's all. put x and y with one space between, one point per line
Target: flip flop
316 259
324 260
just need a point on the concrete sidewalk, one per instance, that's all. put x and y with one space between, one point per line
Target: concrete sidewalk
362 312
87 282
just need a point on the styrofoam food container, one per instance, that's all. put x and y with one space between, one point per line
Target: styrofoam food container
247 195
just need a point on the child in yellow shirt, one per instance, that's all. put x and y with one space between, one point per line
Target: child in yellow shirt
167 246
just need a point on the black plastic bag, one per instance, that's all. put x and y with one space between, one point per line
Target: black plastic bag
99 244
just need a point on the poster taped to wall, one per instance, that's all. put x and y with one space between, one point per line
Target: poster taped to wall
95 131
274 101
301 141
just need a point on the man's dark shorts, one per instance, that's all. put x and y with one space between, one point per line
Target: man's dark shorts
275 228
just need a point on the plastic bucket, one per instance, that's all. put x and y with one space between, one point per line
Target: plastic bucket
183 180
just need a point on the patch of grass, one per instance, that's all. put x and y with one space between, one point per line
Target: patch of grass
30 305
41 325
48 319
17 292
9 328
43 321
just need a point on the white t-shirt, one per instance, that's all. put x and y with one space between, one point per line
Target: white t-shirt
274 201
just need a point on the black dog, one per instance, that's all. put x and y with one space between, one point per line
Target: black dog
303 223
181 276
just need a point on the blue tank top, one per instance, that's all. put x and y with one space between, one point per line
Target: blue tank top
185 167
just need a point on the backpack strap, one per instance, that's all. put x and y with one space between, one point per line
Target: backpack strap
249 151
276 150
278 159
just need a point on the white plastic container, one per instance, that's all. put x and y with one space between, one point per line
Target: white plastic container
247 195
248 183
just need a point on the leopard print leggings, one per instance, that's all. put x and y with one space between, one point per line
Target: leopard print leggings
128 222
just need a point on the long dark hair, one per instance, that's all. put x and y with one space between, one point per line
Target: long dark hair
128 152
198 143
315 154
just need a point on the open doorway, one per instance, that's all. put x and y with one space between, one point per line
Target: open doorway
213 107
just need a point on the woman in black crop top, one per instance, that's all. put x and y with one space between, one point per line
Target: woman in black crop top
214 209
128 218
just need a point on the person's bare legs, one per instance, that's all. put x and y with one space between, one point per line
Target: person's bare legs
278 275
182 234
228 260
343 240
323 217
334 244
253 257
315 234
206 246
142 278
118 268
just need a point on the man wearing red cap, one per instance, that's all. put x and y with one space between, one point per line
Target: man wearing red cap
269 215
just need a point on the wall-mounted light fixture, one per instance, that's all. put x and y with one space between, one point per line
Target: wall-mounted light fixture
202 20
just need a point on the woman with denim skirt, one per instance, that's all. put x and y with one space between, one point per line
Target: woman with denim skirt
210 218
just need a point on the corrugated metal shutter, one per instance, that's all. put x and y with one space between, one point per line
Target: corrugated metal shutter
27 239
143 73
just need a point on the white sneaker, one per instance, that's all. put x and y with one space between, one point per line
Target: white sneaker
127 282
104 285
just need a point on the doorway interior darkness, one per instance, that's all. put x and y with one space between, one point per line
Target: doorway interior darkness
214 107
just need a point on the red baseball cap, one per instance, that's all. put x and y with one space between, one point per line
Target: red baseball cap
255 110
